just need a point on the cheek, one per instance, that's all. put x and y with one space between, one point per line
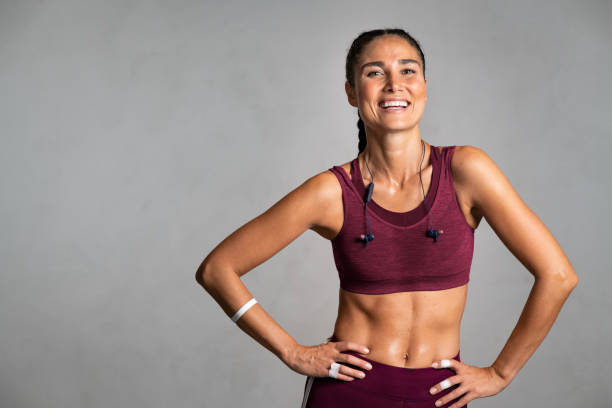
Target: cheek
418 89
367 100
368 93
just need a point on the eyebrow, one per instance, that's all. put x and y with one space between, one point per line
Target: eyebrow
382 64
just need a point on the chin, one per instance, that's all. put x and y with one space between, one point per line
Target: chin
399 125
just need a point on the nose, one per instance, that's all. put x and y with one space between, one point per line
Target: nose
393 82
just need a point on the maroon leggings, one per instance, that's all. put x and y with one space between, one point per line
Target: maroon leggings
384 386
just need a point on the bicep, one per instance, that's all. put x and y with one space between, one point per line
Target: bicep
517 226
265 235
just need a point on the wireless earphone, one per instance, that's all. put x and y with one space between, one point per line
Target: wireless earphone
366 238
369 236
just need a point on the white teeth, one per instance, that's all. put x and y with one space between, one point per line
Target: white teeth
394 103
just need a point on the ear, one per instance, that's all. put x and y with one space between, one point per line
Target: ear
352 98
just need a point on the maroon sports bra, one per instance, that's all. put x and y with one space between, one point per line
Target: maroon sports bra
402 257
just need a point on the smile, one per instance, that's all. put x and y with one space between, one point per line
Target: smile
394 106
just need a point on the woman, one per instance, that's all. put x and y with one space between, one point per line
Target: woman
403 251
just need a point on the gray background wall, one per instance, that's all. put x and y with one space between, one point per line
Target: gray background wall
136 135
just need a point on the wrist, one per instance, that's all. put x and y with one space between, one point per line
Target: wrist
505 376
288 352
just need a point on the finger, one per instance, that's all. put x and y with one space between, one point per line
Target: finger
351 371
463 401
344 373
451 396
446 363
446 383
354 360
349 345
344 377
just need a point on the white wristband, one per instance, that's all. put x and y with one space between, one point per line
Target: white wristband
243 309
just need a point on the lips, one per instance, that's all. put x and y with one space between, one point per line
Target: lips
381 103
394 109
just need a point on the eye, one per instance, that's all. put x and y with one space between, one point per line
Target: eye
369 74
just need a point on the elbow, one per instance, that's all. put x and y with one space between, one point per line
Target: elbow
572 282
210 273
199 275
565 279
203 273
569 280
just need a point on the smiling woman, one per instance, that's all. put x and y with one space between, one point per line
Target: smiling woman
403 251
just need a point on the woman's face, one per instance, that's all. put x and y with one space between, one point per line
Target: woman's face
389 68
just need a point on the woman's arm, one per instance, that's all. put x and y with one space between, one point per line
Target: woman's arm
526 236
308 206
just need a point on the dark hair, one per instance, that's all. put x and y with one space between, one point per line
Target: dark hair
353 55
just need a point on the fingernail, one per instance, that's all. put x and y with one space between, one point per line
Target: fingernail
367 350
362 374
369 366
435 364
438 403
432 390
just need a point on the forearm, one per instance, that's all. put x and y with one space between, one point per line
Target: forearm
540 312
228 290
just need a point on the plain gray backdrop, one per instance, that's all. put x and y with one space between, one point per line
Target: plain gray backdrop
136 135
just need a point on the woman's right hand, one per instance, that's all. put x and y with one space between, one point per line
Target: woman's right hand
316 360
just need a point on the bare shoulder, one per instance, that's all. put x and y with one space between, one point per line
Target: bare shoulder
326 183
466 159
323 187
462 168
326 192
473 169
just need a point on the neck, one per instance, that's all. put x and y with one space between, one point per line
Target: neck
394 157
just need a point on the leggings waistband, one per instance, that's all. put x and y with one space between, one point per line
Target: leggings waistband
402 382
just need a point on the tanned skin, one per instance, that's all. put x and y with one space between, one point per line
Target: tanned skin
404 329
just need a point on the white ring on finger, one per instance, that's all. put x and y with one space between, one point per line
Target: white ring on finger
445 384
333 371
445 363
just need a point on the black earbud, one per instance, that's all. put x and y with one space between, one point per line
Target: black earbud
369 236
434 233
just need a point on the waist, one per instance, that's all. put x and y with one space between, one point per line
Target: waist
405 352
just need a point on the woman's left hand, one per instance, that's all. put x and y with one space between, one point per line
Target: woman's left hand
474 382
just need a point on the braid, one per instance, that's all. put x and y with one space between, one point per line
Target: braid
362 134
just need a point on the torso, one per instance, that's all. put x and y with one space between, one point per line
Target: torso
403 329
